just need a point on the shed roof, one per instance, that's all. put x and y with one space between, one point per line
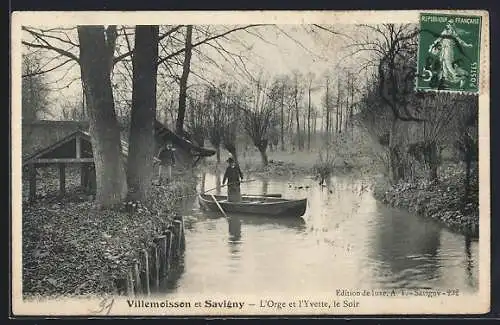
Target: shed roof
161 131
164 133
51 151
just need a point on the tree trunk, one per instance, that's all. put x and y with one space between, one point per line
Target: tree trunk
468 164
297 118
183 82
309 120
263 155
433 157
282 134
340 116
346 107
104 129
217 152
395 158
327 107
142 142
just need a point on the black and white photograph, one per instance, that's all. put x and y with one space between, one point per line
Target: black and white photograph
249 163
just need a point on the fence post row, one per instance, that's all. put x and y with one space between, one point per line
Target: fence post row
156 261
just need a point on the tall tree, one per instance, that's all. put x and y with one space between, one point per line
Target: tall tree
258 117
104 129
309 89
34 89
282 112
327 108
143 115
394 49
215 116
184 79
297 97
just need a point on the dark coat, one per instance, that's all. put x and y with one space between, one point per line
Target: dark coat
232 175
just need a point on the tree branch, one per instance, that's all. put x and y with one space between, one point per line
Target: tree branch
208 40
48 46
36 73
43 34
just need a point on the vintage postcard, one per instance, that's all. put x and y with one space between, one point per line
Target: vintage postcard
250 163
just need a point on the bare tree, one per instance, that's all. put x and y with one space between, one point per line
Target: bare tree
258 117
71 110
35 91
214 103
183 81
309 111
297 93
393 48
196 123
232 109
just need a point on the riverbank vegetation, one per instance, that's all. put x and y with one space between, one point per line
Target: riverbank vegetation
429 140
72 247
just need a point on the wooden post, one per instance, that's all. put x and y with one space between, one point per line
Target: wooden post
92 178
32 178
78 147
62 179
130 284
163 264
84 176
156 255
168 245
161 245
83 184
173 241
146 272
137 275
182 233
178 234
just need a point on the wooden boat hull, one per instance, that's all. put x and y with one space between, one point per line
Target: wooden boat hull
266 206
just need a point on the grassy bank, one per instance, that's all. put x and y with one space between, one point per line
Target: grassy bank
72 248
442 201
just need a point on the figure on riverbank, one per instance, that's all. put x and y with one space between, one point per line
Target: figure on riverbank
233 175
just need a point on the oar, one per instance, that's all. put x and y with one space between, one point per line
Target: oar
214 188
277 195
220 208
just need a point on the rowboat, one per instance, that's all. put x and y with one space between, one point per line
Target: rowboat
254 205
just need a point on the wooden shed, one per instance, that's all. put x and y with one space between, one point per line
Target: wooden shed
75 149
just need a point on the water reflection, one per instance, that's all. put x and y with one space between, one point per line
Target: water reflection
345 239
469 262
218 181
404 249
234 229
265 186
175 273
234 241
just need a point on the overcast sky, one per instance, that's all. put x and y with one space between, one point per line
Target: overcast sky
273 50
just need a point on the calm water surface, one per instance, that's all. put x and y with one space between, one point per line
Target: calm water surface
346 239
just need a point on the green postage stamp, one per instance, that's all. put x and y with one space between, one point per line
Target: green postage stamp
448 53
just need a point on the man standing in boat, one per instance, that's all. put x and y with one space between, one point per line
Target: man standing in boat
233 175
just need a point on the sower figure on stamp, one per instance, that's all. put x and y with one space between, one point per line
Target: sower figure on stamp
233 175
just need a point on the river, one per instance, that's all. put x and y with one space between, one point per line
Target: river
346 239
